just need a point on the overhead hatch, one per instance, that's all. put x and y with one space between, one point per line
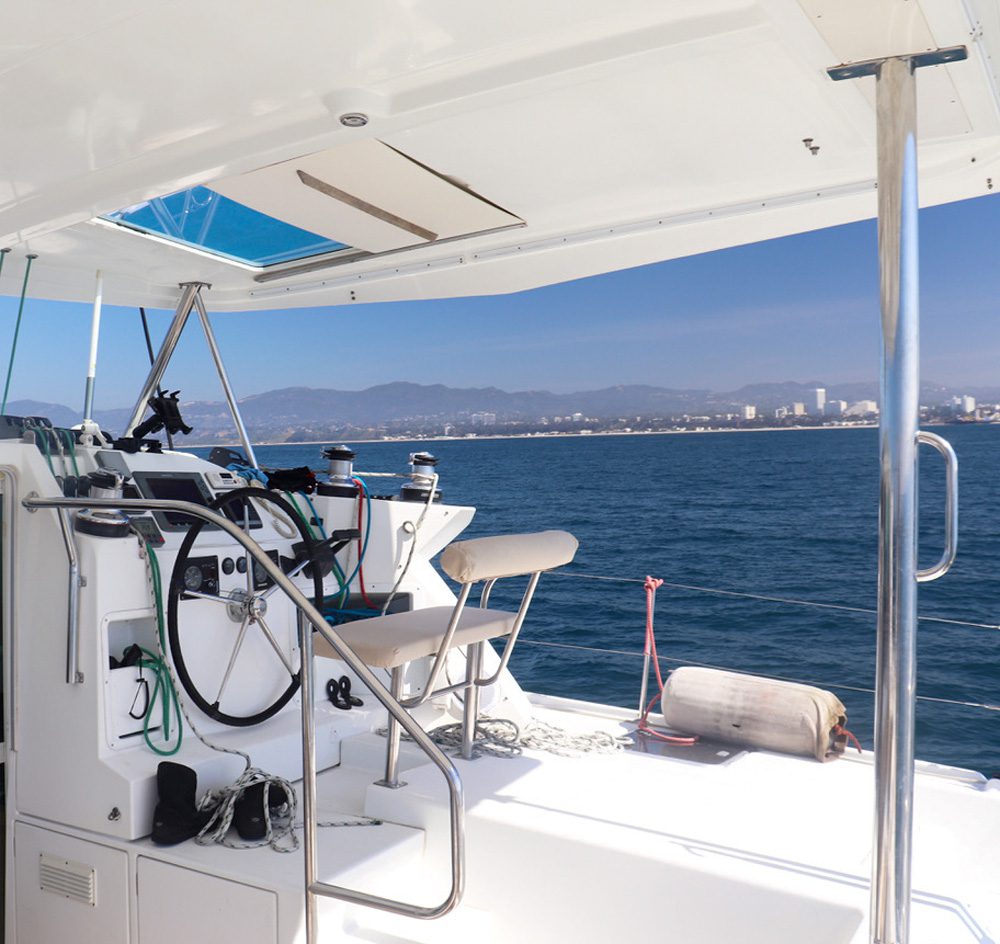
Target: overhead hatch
204 219
368 195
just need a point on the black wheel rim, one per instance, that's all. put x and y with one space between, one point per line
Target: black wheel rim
213 709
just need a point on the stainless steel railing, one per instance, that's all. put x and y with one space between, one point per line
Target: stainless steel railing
309 614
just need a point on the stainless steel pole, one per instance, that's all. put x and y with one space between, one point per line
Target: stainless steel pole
234 408
184 306
896 656
308 777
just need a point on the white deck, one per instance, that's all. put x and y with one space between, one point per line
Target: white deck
759 848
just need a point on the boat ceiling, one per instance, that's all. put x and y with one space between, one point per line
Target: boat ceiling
507 146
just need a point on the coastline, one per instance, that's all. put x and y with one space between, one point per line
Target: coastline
567 435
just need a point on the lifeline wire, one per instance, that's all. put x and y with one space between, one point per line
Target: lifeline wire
726 668
769 599
17 327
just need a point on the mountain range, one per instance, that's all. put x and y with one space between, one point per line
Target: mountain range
295 413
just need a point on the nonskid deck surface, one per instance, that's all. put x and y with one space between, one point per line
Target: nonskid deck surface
757 847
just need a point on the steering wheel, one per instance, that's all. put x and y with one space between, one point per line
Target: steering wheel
245 609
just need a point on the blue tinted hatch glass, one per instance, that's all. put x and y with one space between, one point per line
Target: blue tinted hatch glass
207 220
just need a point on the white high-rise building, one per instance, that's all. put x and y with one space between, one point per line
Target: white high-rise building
781 412
816 400
968 404
835 407
748 412
798 409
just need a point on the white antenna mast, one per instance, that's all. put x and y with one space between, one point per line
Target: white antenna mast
89 427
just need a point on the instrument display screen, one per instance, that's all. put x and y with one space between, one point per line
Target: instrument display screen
189 487
174 486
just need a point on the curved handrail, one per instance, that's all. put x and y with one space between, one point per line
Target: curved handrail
309 611
950 508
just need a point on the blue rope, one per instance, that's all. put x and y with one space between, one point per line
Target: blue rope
247 472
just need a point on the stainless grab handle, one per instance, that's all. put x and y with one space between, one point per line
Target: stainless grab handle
950 508
73 674
456 804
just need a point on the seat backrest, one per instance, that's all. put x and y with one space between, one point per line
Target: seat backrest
507 555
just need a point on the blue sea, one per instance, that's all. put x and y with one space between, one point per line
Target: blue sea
789 514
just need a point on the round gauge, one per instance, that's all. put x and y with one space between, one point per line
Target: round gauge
192 577
259 574
227 565
241 564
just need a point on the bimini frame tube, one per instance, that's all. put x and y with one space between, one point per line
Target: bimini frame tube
896 656
234 407
189 291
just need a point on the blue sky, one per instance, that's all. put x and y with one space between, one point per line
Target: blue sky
800 308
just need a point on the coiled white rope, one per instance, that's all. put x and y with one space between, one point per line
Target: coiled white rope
501 737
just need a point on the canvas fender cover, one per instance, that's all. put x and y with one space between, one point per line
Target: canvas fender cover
755 712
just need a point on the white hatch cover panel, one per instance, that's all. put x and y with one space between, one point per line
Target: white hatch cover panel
219 910
426 206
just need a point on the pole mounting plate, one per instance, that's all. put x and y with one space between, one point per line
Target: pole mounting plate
933 57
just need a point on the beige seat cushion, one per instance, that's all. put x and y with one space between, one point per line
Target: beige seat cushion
507 555
388 641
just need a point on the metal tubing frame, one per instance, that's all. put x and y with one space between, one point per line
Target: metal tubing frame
508 649
896 651
73 674
227 389
456 801
392 737
189 293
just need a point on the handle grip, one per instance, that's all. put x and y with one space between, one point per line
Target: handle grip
950 508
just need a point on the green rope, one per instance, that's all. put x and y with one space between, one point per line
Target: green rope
337 570
302 517
17 327
71 445
156 662
41 434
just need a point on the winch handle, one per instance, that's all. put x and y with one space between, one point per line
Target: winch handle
950 508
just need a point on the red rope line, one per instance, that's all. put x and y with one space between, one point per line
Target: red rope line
840 729
651 585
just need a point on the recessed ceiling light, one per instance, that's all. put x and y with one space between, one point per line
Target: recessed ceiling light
354 119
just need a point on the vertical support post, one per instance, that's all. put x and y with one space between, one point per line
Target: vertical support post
393 736
308 774
189 292
95 333
470 709
896 652
895 683
220 368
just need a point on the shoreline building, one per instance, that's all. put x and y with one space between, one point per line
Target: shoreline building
816 401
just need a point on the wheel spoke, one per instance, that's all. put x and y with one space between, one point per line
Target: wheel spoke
294 572
225 601
274 645
232 657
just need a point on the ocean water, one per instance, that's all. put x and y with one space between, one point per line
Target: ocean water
788 514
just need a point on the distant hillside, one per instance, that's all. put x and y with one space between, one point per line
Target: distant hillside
315 413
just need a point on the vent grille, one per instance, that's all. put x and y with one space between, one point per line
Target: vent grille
72 880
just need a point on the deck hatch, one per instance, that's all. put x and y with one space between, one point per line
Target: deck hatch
68 879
